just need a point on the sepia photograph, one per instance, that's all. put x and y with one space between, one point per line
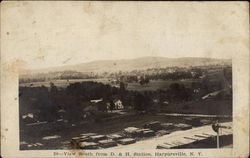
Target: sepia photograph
164 102
118 76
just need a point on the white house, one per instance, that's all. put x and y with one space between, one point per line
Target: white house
118 104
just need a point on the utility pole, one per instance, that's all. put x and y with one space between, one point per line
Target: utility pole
218 138
216 128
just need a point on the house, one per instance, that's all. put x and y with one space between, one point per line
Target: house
99 104
29 118
118 104
96 100
29 115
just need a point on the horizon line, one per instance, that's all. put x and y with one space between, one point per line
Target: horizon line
218 58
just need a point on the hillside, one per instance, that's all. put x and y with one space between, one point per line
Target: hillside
136 64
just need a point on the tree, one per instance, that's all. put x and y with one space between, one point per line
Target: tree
112 106
178 92
53 88
142 101
139 101
122 87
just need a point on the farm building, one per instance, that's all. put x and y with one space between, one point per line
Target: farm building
96 100
29 118
118 104
99 104
29 115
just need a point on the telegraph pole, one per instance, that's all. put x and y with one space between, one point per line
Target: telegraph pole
218 138
216 128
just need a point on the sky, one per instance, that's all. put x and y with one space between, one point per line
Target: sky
46 34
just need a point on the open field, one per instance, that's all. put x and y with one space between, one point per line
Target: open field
62 83
151 86
158 84
212 107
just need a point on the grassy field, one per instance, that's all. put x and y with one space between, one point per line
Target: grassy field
210 107
151 86
158 84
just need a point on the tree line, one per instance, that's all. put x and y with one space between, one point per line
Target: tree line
47 101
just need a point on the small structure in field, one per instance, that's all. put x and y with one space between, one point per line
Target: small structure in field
183 126
131 131
118 104
205 121
167 126
148 133
156 125
88 145
96 100
88 134
96 138
126 141
162 132
99 104
194 121
144 132
76 140
107 143
115 136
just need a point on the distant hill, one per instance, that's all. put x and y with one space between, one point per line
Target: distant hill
136 64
